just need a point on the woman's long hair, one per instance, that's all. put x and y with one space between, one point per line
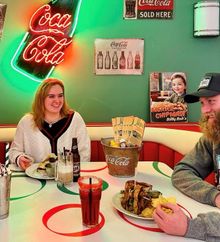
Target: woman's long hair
38 108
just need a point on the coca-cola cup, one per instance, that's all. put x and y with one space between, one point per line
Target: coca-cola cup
90 190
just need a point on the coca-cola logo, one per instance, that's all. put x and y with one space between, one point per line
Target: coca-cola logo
119 45
50 37
118 161
38 52
43 21
154 2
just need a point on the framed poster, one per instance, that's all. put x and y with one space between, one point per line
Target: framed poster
167 91
119 56
2 17
148 9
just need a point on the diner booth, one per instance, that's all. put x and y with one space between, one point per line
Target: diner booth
116 59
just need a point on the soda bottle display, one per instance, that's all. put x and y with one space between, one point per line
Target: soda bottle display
76 160
122 62
107 60
100 60
115 60
51 29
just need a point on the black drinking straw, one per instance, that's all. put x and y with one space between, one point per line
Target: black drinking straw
64 153
90 200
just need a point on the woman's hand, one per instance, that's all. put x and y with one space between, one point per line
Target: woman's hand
175 223
24 162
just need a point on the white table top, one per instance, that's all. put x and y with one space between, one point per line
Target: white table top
41 211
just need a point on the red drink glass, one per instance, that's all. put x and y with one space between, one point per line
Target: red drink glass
90 190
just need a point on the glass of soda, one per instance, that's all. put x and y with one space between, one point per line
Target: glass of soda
90 190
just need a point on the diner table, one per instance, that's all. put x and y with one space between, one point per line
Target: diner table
42 210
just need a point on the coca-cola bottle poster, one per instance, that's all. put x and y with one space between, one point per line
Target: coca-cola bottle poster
2 17
167 91
119 56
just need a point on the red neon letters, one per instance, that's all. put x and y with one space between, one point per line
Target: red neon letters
49 39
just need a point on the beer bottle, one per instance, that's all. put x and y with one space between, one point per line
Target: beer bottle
51 29
76 160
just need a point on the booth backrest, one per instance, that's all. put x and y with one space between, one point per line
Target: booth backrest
163 144
159 144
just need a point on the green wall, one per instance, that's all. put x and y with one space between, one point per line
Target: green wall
169 46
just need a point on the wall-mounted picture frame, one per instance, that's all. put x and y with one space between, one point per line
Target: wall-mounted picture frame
148 9
119 56
3 8
167 91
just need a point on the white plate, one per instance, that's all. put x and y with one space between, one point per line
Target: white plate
116 201
14 167
32 172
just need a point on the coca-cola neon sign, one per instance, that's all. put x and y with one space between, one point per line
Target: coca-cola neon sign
43 47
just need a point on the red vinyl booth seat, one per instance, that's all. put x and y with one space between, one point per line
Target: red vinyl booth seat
155 147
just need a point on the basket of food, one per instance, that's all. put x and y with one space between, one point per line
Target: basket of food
122 151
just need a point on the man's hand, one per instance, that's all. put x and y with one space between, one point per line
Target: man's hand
24 162
175 223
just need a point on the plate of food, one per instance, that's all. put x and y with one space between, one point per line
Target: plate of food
34 172
42 170
138 200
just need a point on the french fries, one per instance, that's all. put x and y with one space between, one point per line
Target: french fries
148 211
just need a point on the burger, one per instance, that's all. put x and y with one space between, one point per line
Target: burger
137 196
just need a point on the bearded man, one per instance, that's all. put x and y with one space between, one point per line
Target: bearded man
189 174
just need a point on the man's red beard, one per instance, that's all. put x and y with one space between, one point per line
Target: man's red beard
211 130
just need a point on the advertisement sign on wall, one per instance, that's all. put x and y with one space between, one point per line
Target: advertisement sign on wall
119 56
167 91
2 17
148 9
